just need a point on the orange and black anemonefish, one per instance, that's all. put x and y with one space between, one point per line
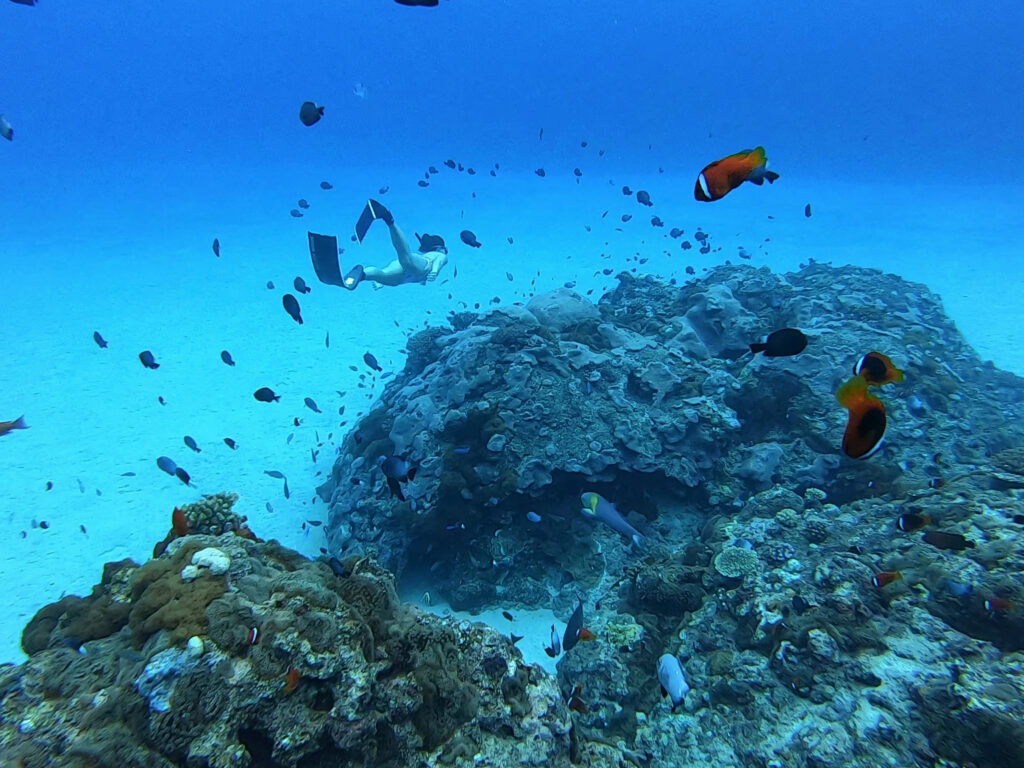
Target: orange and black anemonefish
885 578
723 176
877 370
179 522
912 521
997 605
865 426
291 680
576 703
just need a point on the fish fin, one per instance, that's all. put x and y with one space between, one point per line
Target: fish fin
852 391
19 423
412 473
396 489
664 692
771 176
588 512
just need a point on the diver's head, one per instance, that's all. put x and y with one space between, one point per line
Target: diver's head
431 243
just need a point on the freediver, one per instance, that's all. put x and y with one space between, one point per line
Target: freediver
421 266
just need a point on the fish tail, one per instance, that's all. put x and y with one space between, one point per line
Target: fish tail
771 176
19 423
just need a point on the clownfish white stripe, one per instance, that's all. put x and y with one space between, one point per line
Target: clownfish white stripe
704 185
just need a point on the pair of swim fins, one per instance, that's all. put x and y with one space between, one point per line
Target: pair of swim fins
323 249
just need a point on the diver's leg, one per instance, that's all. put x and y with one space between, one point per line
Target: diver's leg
392 274
411 261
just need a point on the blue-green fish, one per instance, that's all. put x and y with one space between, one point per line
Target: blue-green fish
599 508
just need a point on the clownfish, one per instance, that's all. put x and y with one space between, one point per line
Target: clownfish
885 578
723 176
865 427
877 369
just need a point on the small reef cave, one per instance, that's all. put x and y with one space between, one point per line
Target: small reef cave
475 556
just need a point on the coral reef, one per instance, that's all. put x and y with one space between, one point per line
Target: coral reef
276 661
761 537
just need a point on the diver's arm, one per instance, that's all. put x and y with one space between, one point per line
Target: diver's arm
437 264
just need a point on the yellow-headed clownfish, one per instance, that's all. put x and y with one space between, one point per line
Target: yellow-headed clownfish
866 425
723 176
877 369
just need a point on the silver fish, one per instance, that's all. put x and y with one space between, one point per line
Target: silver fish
672 679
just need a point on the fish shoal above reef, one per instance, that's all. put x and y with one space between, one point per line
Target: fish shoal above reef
761 539
268 659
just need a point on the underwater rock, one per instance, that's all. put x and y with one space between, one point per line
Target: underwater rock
292 665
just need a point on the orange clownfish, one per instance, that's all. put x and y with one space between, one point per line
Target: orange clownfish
723 176
877 369
865 427
7 426
586 634
179 522
885 578
291 680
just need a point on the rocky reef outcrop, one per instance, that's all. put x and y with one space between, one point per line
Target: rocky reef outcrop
761 537
224 651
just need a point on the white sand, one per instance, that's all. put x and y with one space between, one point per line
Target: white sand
94 413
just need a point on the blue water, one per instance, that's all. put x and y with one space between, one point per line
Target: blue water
143 131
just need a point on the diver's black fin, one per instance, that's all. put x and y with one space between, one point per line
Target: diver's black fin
372 211
323 249
354 277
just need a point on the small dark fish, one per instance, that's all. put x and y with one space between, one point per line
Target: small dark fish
315 523
782 343
291 306
182 475
310 114
191 443
167 464
216 247
82 528
311 404
270 508
148 360
99 339
471 171
49 485
705 249
509 276
327 339
469 238
540 136
555 648
626 217
287 493
675 232
540 172
807 210
423 183
508 615
304 204
300 285
296 213
226 357
944 540
686 245
160 399
800 605
266 395
270 285
657 222
644 197
44 525
383 190
397 471
371 361
274 473
230 443
326 185
450 163
573 628
5 127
